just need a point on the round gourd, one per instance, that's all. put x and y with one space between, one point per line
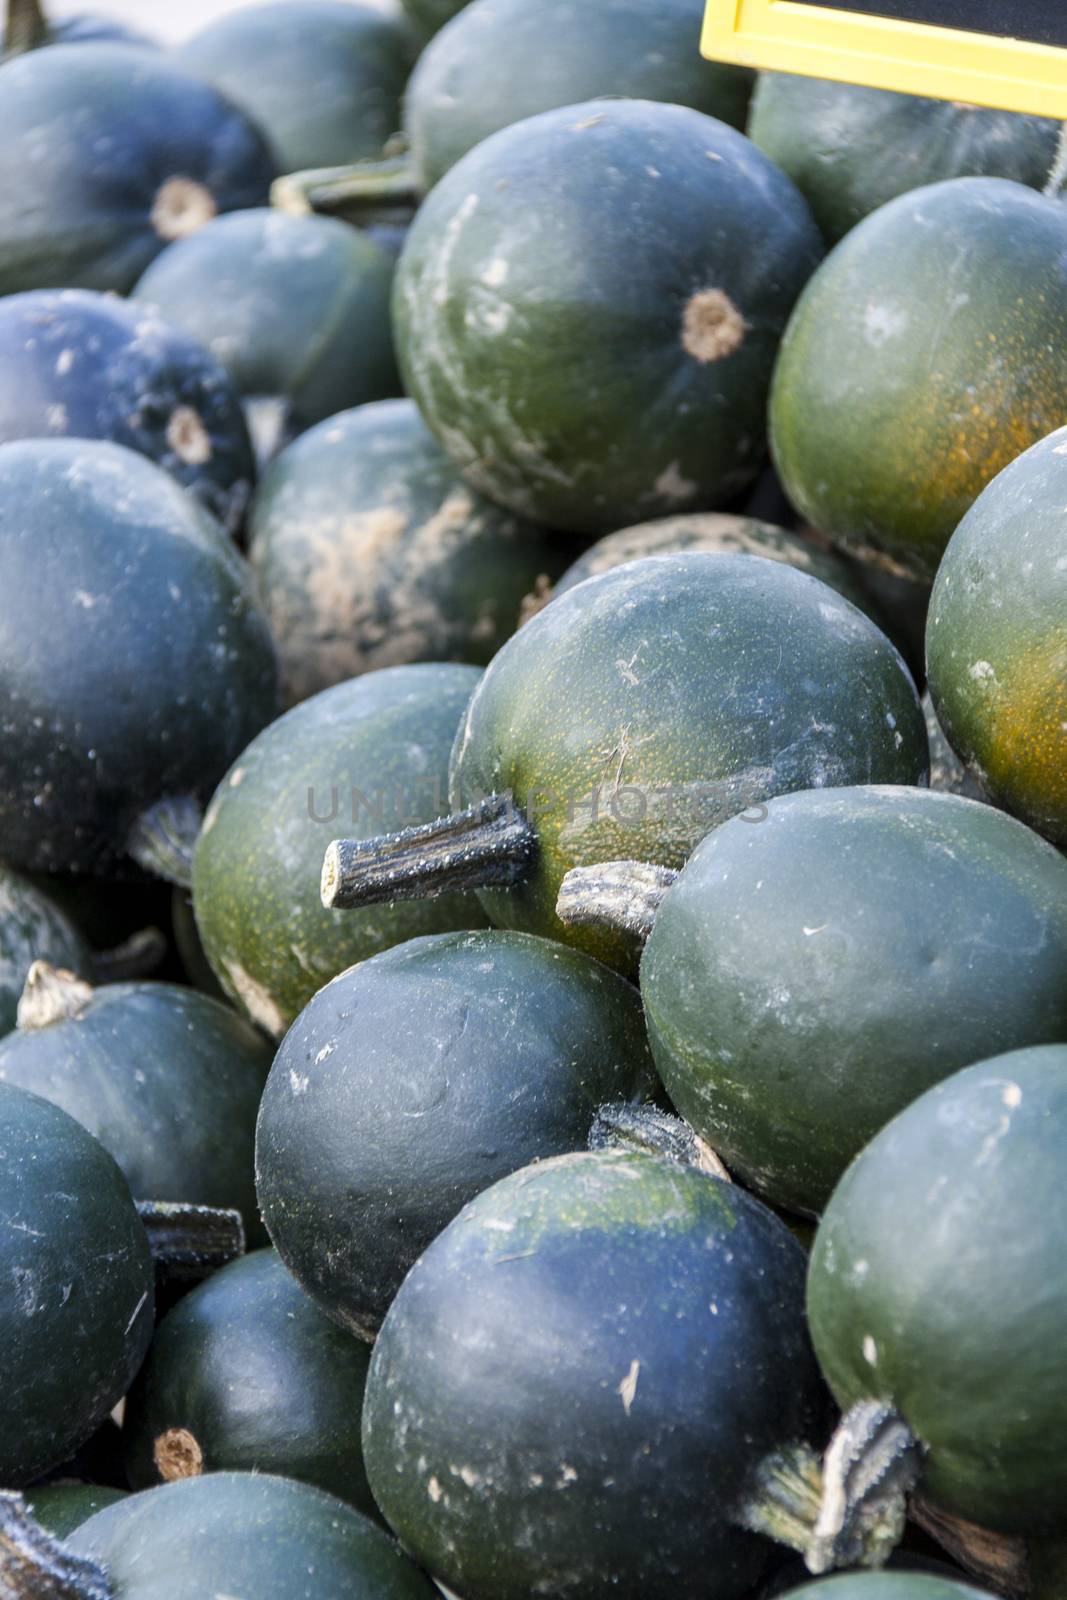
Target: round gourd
904 384
295 308
363 755
579 1378
168 1080
88 366
62 1507
322 78
245 1373
504 60
417 1079
135 662
107 153
935 1285
583 360
32 927
889 1586
372 552
245 1534
996 638
850 149
807 977
76 1313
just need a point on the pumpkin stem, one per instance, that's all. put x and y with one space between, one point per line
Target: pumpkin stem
190 1242
36 1566
51 994
620 1126
348 192
622 895
784 1503
163 839
489 845
1058 175
25 27
1000 1562
138 955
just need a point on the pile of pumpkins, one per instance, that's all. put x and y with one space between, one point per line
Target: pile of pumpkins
533 789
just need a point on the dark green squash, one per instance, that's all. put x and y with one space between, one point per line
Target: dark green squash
809 974
889 1586
928 351
582 359
850 149
575 1386
135 663
936 1285
295 308
74 364
247 1374
429 15
76 1312
62 1507
107 153
322 78
504 60
244 1534
996 638
32 927
634 713
168 1080
416 1080
367 753
371 552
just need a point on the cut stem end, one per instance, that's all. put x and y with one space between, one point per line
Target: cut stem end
622 895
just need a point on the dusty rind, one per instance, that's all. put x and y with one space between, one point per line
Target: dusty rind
75 1262
251 1372
506 60
356 760
104 709
617 396
888 1586
168 1080
904 385
294 308
996 639
807 978
32 928
81 365
243 1533
415 1081
372 552
851 149
102 127
962 1191
578 1377
647 705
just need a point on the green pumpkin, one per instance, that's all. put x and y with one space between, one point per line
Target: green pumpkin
850 149
32 928
371 552
246 1374
928 351
505 60
996 639
936 1285
582 359
362 755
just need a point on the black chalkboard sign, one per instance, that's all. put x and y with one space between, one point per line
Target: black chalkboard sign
1036 21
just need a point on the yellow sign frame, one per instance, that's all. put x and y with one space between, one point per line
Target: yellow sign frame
885 53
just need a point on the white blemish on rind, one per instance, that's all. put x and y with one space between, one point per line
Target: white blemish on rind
628 1387
259 1004
299 1082
870 1351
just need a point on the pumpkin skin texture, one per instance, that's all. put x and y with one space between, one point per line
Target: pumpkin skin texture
243 1533
645 706
255 1378
996 639
515 376
372 552
504 60
75 1257
95 134
850 149
953 373
295 308
168 1080
323 79
587 1332
104 710
82 365
32 928
416 1080
382 739
889 1586
957 1315
62 1507
806 978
